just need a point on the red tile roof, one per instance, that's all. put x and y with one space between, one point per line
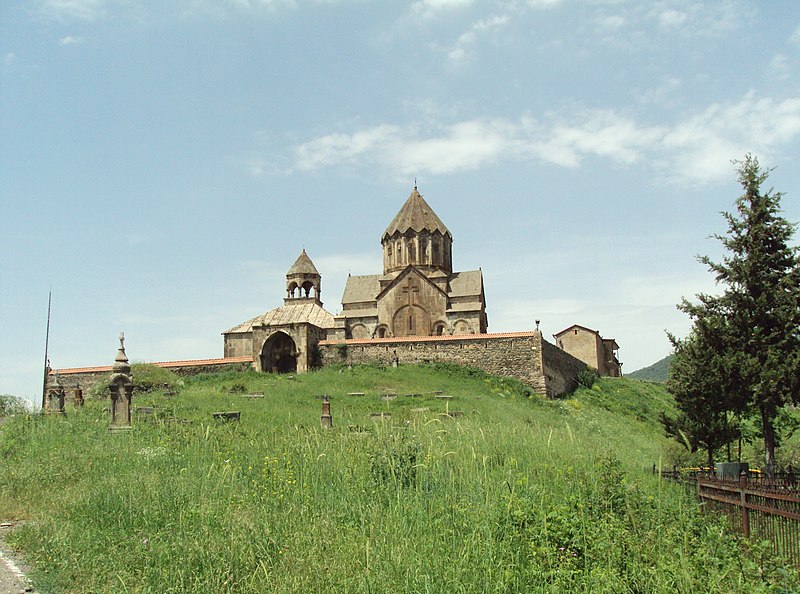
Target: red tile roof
429 338
164 364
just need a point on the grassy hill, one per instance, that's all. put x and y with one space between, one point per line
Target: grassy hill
515 494
657 372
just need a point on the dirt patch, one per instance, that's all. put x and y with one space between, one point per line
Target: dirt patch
13 579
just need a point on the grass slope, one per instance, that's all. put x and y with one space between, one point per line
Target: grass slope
657 372
517 495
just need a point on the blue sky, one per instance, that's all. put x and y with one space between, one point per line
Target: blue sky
163 163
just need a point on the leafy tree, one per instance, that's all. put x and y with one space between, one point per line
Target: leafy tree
12 405
758 314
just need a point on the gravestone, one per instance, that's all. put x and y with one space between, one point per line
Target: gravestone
231 415
326 420
55 397
77 397
121 386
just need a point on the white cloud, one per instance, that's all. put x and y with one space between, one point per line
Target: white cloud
795 36
779 67
70 40
430 9
543 4
702 146
469 37
87 10
671 18
611 22
697 148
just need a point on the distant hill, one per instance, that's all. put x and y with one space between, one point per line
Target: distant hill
657 372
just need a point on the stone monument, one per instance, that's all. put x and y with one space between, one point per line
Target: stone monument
327 419
55 397
121 386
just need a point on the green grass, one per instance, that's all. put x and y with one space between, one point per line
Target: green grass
517 495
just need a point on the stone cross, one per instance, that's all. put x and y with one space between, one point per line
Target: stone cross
410 289
121 386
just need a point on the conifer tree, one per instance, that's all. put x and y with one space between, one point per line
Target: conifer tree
759 311
697 379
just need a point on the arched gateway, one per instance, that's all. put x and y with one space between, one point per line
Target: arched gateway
279 354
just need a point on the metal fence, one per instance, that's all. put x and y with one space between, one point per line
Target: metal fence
757 506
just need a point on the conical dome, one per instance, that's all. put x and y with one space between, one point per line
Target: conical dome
303 281
303 265
415 215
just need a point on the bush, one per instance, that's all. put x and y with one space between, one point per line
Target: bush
587 377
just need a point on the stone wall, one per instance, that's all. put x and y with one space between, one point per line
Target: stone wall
522 355
85 377
560 370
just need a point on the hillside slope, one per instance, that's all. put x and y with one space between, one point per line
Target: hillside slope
657 372
485 491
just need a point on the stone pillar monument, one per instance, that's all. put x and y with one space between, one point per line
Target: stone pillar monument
121 386
327 419
55 397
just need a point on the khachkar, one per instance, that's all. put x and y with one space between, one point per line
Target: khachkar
121 385
55 397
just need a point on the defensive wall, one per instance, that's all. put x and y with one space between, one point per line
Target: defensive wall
522 355
85 377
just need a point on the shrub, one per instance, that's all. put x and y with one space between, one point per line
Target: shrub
587 377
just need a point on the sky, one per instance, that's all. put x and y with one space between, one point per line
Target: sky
163 163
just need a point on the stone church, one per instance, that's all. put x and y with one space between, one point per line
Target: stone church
418 294
417 310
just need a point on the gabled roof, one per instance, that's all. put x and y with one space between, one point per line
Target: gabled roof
407 271
565 330
303 265
295 313
415 215
466 284
360 289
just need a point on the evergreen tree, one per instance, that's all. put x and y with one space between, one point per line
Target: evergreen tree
759 337
697 379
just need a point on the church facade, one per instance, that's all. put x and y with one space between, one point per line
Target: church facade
418 293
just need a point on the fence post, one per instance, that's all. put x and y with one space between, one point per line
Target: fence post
743 503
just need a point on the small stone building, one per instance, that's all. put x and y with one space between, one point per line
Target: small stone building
285 339
418 293
591 348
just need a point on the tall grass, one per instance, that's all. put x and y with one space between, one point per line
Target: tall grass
516 495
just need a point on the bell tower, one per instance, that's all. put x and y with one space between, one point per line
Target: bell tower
303 282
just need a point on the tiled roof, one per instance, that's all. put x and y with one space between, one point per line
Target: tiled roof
295 313
303 265
416 215
163 364
445 338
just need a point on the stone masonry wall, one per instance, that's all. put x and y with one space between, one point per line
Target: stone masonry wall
524 355
560 370
88 376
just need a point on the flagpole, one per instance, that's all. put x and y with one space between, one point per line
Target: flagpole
46 345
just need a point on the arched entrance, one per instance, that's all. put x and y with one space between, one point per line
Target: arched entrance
279 354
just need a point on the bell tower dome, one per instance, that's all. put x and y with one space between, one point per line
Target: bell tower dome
417 237
303 282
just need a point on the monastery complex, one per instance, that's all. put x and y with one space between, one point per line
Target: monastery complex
417 310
